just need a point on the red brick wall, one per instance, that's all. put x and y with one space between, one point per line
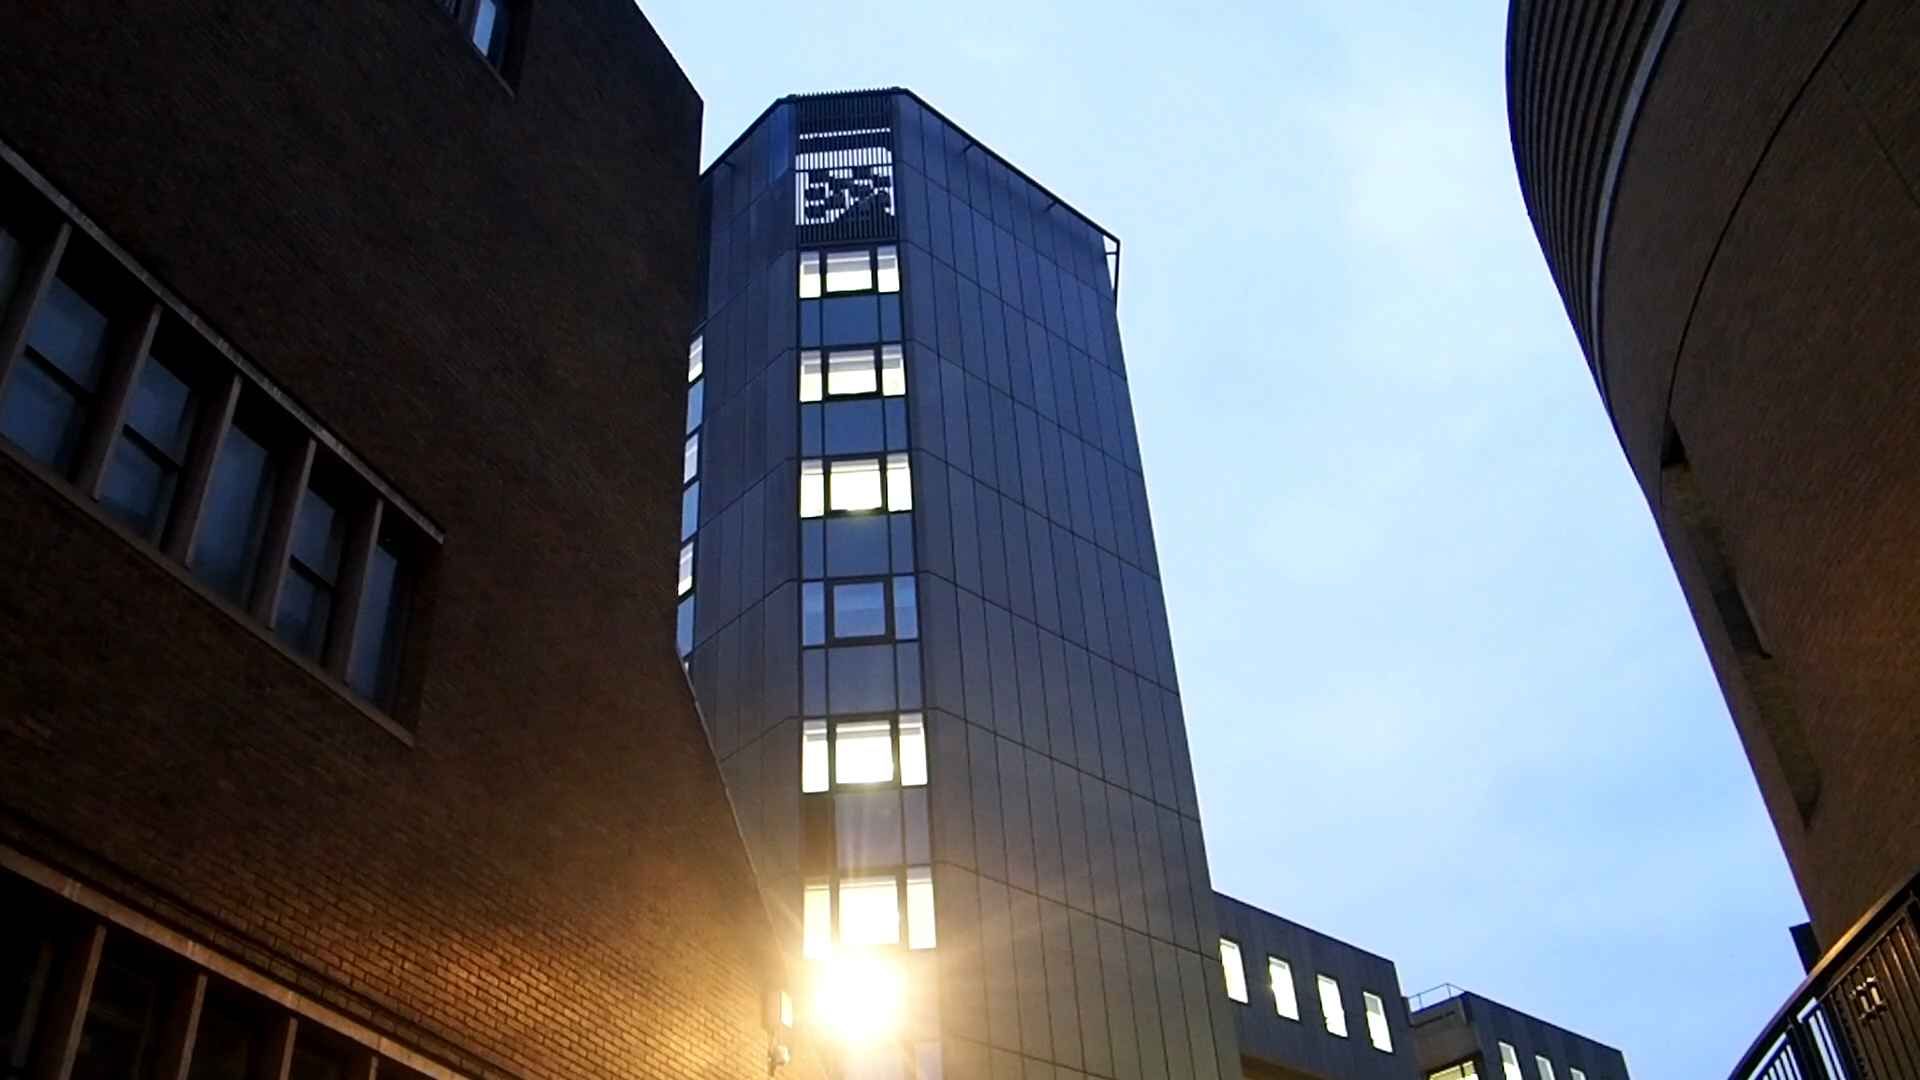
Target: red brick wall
485 295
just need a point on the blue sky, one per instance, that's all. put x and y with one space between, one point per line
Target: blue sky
1444 696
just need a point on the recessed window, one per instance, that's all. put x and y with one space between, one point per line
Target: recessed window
1280 976
234 520
813 488
862 752
813 756
690 459
899 483
893 371
913 750
1510 1063
860 609
854 485
920 933
375 664
313 572
851 372
1575 1074
810 376
151 451
889 272
1377 1031
1545 1067
906 610
1236 971
849 271
493 30
686 569
1466 1070
50 391
1332 1010
816 917
809 275
697 358
870 910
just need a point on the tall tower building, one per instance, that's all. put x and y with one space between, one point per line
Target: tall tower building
922 610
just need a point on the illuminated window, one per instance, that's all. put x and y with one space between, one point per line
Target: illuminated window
686 569
913 750
1541 1063
809 275
899 483
851 372
889 258
1280 976
849 271
1235 969
813 488
870 911
920 907
816 916
1510 1063
862 751
1377 1032
1463 1071
810 384
690 458
893 371
856 484
696 358
1331 1008
1575 1074
813 756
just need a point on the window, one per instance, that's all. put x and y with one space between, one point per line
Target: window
913 750
1235 969
690 459
696 405
813 613
1575 1074
1377 1030
1280 976
493 30
920 933
1466 1070
313 570
234 519
697 358
810 380
816 916
813 488
849 271
686 569
813 756
893 371
860 609
809 275
50 389
870 911
854 485
889 269
853 372
683 627
150 453
375 663
1544 1066
1509 1063
899 483
1331 1008
863 752
690 510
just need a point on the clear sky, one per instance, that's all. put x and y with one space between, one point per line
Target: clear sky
1444 696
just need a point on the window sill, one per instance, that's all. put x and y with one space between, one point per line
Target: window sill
58 485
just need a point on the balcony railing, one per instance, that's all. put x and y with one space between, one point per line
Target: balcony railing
1857 1015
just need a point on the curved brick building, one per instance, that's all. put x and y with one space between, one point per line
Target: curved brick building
1726 194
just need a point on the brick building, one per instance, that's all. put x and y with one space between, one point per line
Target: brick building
340 723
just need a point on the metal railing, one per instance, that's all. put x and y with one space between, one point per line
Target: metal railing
1857 1015
1432 995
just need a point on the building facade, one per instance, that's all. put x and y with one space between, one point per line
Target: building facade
341 731
1724 193
1459 1035
1310 1006
921 607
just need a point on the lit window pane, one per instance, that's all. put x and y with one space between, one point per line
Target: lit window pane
862 752
813 489
1330 1007
690 510
813 613
696 358
1546 1067
809 275
889 269
1377 1030
809 376
913 749
920 933
1285 1001
906 610
686 569
1236 971
860 610
817 920
696 404
1510 1063
849 271
899 483
856 485
1575 1074
813 756
851 372
893 371
690 458
870 911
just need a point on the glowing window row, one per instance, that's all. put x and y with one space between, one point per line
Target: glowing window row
868 911
690 491
863 752
1287 1004
860 270
852 372
855 485
1510 1066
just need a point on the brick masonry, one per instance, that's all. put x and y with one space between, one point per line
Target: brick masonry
484 293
